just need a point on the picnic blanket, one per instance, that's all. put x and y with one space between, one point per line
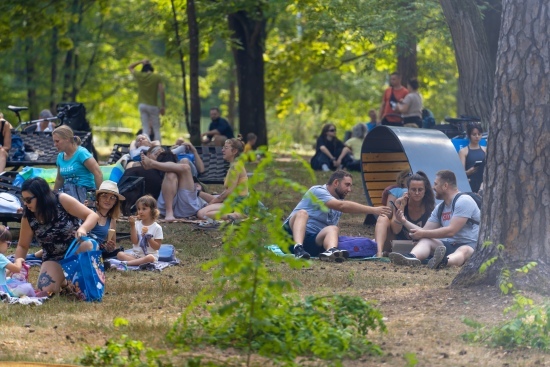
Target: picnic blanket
157 266
277 251
37 301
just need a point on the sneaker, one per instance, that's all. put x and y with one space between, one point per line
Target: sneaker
300 253
334 254
439 260
325 168
400 259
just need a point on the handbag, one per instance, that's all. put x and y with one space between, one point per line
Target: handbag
357 246
84 272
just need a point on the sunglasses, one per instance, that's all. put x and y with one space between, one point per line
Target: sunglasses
108 197
28 199
332 130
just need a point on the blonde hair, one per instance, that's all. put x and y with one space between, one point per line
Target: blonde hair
65 132
149 202
237 144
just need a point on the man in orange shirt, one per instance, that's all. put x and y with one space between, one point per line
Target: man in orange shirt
395 93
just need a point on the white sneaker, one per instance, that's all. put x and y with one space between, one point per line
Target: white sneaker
325 168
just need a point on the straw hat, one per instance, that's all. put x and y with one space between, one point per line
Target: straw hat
109 187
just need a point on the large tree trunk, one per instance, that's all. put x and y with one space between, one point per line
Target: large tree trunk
30 76
516 207
194 73
476 67
250 33
406 60
53 72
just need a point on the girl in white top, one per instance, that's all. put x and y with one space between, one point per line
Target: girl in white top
145 233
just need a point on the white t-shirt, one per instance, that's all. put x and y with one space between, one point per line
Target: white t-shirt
155 229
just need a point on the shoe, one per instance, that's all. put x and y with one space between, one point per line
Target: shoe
325 168
106 264
439 260
334 254
399 259
300 253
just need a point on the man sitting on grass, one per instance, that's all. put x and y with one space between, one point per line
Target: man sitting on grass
314 228
451 238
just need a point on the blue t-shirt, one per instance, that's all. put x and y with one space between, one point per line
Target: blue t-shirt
100 232
74 171
318 219
370 125
465 207
3 263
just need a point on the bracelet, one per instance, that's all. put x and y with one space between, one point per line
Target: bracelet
398 222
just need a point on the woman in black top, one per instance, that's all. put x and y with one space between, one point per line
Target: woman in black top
417 204
330 152
473 153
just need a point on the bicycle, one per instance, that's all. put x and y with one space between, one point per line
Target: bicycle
22 124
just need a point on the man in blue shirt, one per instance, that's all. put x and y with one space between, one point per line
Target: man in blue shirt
314 228
218 131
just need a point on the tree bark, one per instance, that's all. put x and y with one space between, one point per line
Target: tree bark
182 66
193 27
407 65
249 31
232 102
475 65
53 71
30 78
516 206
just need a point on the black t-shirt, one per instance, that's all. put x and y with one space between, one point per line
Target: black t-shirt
334 146
222 126
153 179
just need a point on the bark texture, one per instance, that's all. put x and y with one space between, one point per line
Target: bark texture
475 65
516 206
249 32
195 128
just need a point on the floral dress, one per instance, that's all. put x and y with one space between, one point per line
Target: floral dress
55 237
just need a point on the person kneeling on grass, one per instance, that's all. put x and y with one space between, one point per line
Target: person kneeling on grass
314 228
451 238
145 233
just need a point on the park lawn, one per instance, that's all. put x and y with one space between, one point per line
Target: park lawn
422 314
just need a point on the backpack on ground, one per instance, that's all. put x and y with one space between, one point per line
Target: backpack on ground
357 246
132 188
473 195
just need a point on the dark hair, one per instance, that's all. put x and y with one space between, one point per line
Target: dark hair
147 67
396 74
447 176
149 202
428 200
338 175
5 234
214 108
167 156
46 202
473 126
250 136
326 128
413 83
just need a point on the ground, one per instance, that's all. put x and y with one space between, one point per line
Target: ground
423 315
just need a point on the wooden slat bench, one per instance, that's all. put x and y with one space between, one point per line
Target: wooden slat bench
380 170
215 167
42 143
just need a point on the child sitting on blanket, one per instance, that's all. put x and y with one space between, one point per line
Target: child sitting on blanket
5 264
145 233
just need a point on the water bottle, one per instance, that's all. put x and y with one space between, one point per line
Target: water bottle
23 274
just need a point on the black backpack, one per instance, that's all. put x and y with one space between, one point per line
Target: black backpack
473 195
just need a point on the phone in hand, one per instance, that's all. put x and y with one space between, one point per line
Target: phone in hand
395 206
478 163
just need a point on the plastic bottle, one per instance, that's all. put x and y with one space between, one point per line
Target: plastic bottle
23 275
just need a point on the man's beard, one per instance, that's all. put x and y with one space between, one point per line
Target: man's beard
341 194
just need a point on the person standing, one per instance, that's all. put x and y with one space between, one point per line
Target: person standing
473 153
373 121
395 93
411 106
150 87
218 131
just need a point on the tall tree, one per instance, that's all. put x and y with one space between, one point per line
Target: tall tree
516 206
249 33
195 129
476 65
30 74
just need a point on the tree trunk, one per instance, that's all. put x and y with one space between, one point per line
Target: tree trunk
475 65
182 66
250 33
53 72
407 65
30 78
68 66
232 103
516 206
194 73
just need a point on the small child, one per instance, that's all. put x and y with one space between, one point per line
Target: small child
5 264
145 233
251 139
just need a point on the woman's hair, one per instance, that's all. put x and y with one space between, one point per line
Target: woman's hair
5 234
149 202
46 202
65 132
152 150
237 144
428 200
326 128
413 83
359 131
167 156
401 179
115 212
473 126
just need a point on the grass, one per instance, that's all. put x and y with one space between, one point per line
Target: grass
416 302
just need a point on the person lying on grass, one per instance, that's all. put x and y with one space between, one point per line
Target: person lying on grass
145 233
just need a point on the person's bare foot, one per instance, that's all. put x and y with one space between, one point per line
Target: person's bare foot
146 162
169 218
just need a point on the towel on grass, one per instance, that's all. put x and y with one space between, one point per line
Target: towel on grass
38 301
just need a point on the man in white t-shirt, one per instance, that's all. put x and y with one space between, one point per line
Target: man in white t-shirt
451 238
315 229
